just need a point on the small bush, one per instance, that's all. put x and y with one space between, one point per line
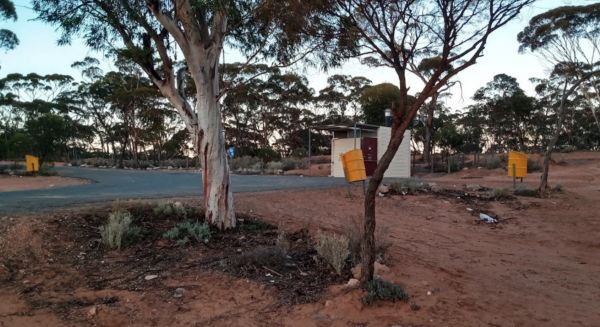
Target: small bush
409 186
320 159
244 163
171 209
524 191
116 229
381 290
353 231
267 154
334 249
456 163
491 162
282 241
567 148
291 163
269 256
533 165
501 194
414 306
11 168
274 166
183 233
558 188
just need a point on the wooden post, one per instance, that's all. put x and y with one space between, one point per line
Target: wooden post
309 146
514 174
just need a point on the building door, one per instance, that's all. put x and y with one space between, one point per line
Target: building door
369 149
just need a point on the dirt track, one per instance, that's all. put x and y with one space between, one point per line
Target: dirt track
540 267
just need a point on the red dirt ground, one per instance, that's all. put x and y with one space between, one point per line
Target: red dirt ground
539 267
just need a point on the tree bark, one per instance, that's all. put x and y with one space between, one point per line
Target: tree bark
557 129
428 146
210 139
218 198
369 224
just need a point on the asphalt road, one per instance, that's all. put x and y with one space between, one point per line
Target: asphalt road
113 184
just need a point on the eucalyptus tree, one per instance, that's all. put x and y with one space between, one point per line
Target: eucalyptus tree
8 39
341 96
154 34
42 108
508 112
393 34
423 70
568 38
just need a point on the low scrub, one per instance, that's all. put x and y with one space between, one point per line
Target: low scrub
409 186
136 164
455 162
501 194
119 230
12 168
171 209
262 256
533 165
334 249
353 231
185 232
524 191
491 162
558 188
381 290
256 165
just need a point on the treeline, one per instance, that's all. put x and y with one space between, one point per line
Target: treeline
121 117
502 118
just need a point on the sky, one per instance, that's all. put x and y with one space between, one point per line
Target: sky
38 52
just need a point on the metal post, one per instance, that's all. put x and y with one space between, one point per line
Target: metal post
514 173
354 135
309 147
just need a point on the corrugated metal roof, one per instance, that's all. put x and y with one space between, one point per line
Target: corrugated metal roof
343 127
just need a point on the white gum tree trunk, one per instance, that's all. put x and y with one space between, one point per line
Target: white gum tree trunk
201 43
210 144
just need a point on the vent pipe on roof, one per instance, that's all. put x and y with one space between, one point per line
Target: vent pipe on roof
388 117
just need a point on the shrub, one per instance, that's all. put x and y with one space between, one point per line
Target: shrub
492 162
320 159
294 163
501 194
334 249
282 241
533 165
116 229
267 154
353 231
274 166
245 163
455 162
524 191
171 209
270 256
381 290
184 232
409 186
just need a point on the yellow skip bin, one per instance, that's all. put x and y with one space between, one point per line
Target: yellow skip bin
354 166
32 163
517 164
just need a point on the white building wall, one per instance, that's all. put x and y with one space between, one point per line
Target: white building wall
400 165
339 146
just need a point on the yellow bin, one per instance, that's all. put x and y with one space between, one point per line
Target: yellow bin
519 159
32 163
354 166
